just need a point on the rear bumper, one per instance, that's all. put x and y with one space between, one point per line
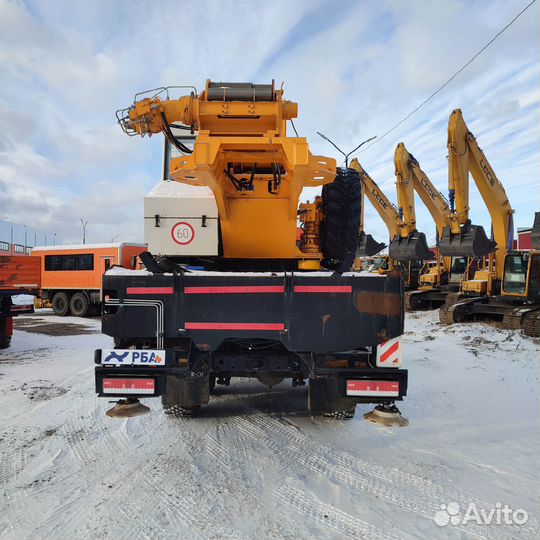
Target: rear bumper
331 380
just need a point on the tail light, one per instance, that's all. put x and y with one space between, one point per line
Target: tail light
373 388
129 386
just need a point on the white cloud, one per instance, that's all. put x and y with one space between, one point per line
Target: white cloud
354 69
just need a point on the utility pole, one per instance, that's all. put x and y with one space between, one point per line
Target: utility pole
83 230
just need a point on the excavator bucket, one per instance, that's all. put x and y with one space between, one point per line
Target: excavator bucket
472 242
368 246
412 248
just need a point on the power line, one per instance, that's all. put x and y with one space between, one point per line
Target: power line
452 77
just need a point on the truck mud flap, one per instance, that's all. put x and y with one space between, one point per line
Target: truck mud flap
185 391
329 394
471 242
368 246
412 248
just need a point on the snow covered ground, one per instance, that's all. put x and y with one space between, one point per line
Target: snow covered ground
254 465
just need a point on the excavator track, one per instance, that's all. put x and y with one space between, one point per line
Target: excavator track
408 301
511 320
531 323
446 315
447 312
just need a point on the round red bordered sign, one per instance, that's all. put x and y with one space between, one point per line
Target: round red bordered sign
183 233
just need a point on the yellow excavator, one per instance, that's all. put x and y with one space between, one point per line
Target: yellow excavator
444 275
489 294
408 247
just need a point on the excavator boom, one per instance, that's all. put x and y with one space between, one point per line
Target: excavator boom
407 244
464 157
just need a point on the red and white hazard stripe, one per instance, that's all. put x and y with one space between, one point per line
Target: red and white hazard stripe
389 353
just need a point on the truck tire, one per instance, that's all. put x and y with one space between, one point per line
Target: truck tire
60 304
79 305
340 227
184 395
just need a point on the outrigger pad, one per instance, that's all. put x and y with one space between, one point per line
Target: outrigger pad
368 246
412 248
472 242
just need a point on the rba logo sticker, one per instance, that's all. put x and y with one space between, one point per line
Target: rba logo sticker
133 357
450 514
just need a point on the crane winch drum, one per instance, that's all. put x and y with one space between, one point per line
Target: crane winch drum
410 248
471 242
368 246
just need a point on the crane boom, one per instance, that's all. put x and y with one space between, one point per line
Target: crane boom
243 154
465 156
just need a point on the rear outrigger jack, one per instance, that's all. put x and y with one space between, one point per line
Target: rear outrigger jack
126 408
386 414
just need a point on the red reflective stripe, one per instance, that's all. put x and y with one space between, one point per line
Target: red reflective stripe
233 326
389 352
144 384
150 290
236 289
323 288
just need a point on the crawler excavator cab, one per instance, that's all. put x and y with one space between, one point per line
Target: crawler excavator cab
368 246
413 247
471 242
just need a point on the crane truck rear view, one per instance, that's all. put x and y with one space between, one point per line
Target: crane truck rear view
228 291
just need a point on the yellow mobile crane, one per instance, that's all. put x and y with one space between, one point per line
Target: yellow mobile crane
254 170
445 275
489 293
222 297
407 245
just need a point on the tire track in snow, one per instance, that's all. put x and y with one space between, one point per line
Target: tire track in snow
314 509
296 447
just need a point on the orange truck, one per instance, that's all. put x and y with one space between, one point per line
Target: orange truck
71 275
19 274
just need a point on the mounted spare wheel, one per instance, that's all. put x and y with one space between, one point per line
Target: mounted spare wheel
341 207
79 305
60 304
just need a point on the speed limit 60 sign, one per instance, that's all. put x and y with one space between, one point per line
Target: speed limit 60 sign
183 233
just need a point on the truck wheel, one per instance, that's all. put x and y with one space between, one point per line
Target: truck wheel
5 342
341 415
79 305
184 395
181 412
342 201
60 304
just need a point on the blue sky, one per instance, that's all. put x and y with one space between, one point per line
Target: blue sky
355 68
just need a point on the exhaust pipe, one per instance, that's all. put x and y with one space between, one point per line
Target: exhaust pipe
471 242
412 248
368 246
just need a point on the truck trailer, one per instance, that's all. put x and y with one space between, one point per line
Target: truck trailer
19 275
71 274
